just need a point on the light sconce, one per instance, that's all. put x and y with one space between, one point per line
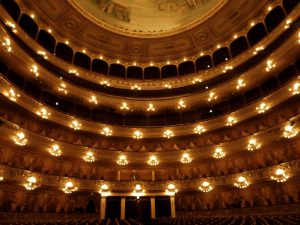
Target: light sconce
240 84
63 88
104 190
168 86
43 54
105 83
197 80
205 186
136 87
181 104
219 153
295 88
69 187
43 113
231 120
241 182
11 25
290 131
150 108
270 65
287 23
280 175
185 158
31 183
124 106
212 96
253 144
20 139
122 160
137 134
55 150
153 161
89 156
171 189
138 191
199 129
11 94
74 72
93 99
168 134
227 68
75 125
106 131
258 49
7 44
262 107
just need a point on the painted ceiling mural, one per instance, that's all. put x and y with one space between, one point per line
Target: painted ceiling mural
149 15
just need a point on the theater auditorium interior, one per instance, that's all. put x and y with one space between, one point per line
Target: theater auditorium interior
149 112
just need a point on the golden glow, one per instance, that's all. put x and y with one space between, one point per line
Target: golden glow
227 68
63 88
12 95
197 80
93 99
42 53
270 65
185 158
240 84
212 96
199 129
122 160
32 15
105 83
231 120
75 125
168 86
55 150
280 175
290 131
219 153
1 178
253 144
7 44
153 161
106 131
171 189
104 190
205 186
241 182
262 107
74 72
137 134
136 87
31 183
150 108
89 156
168 134
181 104
20 139
295 88
43 113
69 187
258 49
138 191
287 23
124 106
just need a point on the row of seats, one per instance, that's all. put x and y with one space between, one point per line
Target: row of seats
232 220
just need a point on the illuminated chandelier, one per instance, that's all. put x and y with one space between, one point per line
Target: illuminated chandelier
11 94
89 156
218 153
205 186
171 189
43 113
20 139
138 191
69 187
137 134
199 129
153 161
185 158
280 175
55 150
295 88
253 144
122 160
290 131
75 125
241 182
31 183
106 131
231 120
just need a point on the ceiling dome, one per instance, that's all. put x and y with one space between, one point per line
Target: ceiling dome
142 17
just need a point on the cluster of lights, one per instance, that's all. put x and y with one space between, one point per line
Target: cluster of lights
171 189
168 134
270 65
295 88
205 186
11 26
75 72
219 153
7 44
240 84
185 158
11 94
89 156
168 86
262 107
138 191
258 49
231 120
153 161
20 139
227 68
55 150
199 129
106 131
124 106
137 134
75 125
105 83
181 104
43 113
31 183
122 160
93 99
34 69
197 80
212 96
104 190
241 182
69 187
253 144
290 131
63 88
287 23
136 87
280 175
42 53
150 108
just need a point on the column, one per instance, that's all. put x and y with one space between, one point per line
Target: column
122 209
152 207
119 175
153 175
172 203
102 208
